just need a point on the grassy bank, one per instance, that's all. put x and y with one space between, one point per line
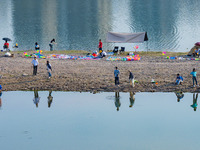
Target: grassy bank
84 52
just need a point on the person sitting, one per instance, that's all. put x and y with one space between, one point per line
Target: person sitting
37 47
15 46
195 52
102 53
179 79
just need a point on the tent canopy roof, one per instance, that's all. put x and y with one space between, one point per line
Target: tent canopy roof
114 37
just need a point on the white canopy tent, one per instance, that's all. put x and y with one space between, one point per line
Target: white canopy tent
113 37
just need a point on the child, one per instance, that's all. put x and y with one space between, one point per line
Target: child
49 69
194 74
179 79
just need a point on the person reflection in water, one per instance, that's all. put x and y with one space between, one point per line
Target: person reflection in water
117 101
179 95
0 99
36 97
0 95
132 99
194 105
50 99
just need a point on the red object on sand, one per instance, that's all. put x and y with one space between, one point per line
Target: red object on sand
95 55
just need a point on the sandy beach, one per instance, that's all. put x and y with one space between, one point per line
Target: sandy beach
97 75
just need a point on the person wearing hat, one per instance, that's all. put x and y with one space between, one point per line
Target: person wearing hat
35 65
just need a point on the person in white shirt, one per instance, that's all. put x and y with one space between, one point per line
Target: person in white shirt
35 65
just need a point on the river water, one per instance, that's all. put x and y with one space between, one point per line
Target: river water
172 25
102 121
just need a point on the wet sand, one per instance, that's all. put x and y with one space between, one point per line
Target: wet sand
97 75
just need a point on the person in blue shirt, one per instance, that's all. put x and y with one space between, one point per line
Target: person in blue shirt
194 76
179 79
116 74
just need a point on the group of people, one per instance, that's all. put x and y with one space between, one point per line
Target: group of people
179 78
52 42
116 75
196 53
35 64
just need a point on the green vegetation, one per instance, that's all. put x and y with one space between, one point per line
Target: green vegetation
84 52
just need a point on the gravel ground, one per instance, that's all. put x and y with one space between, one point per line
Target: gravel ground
97 75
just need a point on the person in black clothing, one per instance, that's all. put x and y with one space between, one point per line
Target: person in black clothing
131 78
51 44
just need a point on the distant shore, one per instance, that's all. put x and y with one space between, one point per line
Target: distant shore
97 75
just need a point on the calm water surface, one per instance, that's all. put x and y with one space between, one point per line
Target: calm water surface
172 25
91 121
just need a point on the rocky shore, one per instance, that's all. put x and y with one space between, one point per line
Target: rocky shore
97 75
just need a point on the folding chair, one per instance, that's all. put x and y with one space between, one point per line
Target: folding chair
115 51
122 49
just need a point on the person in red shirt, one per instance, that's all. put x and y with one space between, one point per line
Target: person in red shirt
6 45
100 45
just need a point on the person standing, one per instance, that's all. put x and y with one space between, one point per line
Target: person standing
116 74
35 65
131 78
100 46
51 44
49 69
194 76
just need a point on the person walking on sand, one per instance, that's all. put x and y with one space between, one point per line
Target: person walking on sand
35 65
116 74
131 78
49 69
100 45
194 76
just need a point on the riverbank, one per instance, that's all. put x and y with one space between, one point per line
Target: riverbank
97 75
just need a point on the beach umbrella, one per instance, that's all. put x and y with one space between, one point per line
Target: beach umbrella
6 39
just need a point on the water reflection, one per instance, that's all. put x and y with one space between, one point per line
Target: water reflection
36 98
194 105
179 95
50 99
79 26
0 98
117 100
132 99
